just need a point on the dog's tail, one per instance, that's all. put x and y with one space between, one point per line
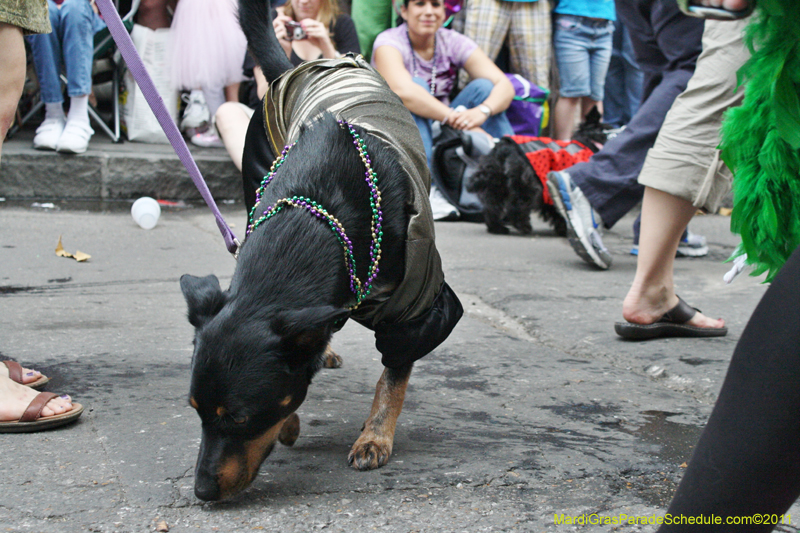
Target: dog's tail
256 22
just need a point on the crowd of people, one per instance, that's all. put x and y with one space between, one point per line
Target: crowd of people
670 76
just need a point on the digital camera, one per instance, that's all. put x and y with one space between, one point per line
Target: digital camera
294 31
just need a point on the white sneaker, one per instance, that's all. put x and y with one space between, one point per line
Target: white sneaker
207 139
440 207
48 133
75 139
196 113
582 223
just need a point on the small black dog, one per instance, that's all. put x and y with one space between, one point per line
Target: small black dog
510 189
339 228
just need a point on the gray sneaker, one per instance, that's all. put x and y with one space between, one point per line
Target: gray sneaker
582 224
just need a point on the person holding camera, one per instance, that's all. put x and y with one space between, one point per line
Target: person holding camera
306 29
314 29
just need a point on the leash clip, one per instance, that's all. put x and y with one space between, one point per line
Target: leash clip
235 253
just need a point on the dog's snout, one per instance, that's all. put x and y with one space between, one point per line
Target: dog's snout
206 488
206 480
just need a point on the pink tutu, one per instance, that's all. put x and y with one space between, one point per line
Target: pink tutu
208 46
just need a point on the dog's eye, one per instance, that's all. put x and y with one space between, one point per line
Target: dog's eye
240 420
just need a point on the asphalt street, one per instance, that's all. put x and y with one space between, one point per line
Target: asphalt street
532 408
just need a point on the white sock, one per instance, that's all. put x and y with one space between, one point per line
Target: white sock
54 110
214 99
79 108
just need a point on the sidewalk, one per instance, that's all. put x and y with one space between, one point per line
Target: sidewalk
108 171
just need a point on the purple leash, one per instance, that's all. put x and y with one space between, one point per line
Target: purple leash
125 45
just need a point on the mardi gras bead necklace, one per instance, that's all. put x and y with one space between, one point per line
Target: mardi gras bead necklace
433 62
359 289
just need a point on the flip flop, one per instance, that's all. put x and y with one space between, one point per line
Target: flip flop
31 420
672 324
15 374
716 13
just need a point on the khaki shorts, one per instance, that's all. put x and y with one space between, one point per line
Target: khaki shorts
685 161
30 15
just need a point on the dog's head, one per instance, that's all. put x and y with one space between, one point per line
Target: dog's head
592 132
250 370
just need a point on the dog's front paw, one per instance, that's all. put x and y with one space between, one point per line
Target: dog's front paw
290 430
369 452
498 229
332 359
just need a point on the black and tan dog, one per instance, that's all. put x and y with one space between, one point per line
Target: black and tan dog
320 223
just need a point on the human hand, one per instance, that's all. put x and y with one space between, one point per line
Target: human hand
318 35
467 119
279 25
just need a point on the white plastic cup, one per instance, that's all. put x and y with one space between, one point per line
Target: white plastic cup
145 212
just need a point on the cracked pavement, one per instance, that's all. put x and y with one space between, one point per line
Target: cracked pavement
533 407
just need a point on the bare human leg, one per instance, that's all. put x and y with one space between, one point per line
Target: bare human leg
564 117
232 122
12 65
664 217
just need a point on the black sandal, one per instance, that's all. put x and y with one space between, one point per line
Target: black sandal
672 324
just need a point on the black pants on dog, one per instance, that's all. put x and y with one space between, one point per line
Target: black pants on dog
748 457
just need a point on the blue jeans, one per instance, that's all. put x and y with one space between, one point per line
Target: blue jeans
471 96
583 49
623 81
71 45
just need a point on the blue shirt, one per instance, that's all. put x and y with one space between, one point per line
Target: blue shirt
601 9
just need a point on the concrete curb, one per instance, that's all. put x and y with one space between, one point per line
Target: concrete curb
113 171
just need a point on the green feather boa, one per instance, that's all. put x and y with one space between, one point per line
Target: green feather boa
761 140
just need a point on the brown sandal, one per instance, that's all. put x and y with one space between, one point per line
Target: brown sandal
15 374
31 420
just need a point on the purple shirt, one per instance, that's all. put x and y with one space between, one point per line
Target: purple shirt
452 51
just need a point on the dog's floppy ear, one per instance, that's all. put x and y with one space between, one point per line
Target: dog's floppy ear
308 330
204 297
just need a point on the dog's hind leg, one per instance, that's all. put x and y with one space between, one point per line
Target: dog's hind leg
290 430
332 359
374 446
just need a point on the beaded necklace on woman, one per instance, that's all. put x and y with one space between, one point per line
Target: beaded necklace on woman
433 62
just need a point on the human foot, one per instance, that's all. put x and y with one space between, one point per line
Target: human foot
638 309
15 399
660 313
23 376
